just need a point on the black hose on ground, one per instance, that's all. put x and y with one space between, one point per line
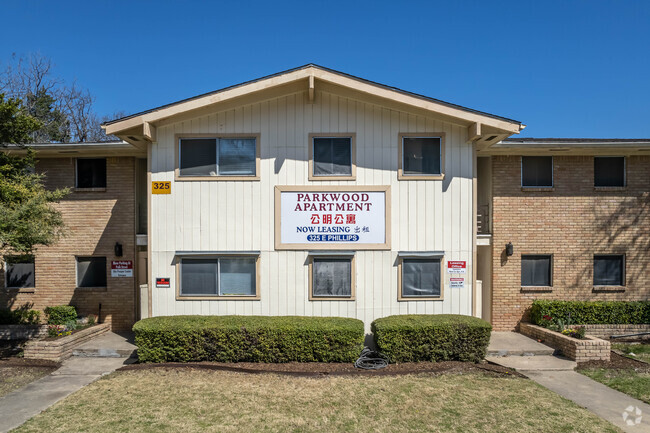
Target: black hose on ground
371 360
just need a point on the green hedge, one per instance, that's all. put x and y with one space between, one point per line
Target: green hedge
248 339
19 317
592 312
61 314
440 337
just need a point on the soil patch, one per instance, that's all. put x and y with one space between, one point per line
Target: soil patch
616 362
319 369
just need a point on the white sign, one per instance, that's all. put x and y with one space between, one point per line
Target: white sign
349 219
456 267
457 283
121 268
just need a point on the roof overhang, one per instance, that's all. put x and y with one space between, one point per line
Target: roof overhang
569 146
483 128
58 150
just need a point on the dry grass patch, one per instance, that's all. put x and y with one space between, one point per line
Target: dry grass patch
12 378
172 400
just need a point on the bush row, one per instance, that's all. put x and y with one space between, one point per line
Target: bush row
21 316
592 312
248 339
440 337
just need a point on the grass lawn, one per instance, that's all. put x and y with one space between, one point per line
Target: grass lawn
173 400
633 383
634 351
14 377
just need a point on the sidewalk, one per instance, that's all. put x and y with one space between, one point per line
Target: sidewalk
75 373
558 374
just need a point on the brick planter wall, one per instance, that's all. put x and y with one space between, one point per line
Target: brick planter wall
606 331
588 349
22 332
61 348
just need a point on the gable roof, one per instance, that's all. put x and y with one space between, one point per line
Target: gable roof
311 76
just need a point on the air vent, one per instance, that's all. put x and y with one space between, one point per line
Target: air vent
491 138
68 151
558 149
133 138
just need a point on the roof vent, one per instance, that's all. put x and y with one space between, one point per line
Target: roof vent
133 138
491 138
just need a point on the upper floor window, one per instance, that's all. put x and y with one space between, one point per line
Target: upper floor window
91 173
609 270
421 156
332 157
537 171
609 171
19 272
232 158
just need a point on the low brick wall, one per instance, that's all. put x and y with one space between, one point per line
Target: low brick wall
606 331
61 348
22 332
588 349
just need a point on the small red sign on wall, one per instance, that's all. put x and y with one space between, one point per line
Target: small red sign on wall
456 267
162 282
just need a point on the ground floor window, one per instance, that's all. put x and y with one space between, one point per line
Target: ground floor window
19 272
91 271
228 276
536 270
609 270
420 277
331 277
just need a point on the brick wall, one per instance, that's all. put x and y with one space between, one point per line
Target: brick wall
572 222
588 349
94 221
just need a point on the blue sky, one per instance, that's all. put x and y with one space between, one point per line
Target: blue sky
564 68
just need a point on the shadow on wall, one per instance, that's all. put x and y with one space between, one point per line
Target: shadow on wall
621 229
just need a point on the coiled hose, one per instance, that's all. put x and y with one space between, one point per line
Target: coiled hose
371 360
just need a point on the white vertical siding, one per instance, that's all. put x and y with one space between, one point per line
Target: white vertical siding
229 216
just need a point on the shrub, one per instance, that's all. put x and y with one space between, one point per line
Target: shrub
591 312
61 314
443 337
248 339
19 317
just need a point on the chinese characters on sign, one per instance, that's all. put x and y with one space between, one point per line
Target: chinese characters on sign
332 217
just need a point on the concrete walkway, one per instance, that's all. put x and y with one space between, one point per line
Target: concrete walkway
109 345
30 400
515 344
558 374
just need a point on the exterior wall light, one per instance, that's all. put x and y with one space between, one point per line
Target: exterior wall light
118 249
510 250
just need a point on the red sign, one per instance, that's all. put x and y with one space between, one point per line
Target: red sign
162 282
456 267
121 268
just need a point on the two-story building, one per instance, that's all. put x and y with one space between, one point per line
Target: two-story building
313 192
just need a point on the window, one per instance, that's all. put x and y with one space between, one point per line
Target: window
609 270
332 156
91 173
420 278
228 276
537 171
211 157
332 277
609 171
421 156
536 270
19 272
91 271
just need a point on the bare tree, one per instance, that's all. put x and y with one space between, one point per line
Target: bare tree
66 112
